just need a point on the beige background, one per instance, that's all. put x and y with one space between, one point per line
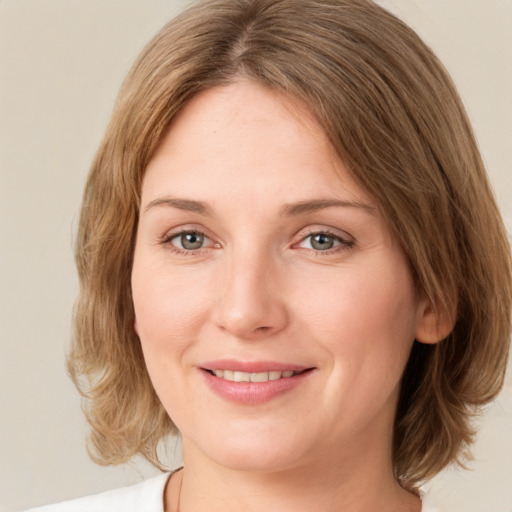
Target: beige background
61 63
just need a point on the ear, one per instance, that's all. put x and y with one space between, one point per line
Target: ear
434 324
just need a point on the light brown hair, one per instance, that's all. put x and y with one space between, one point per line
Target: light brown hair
394 117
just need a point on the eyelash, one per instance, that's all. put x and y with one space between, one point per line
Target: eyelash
343 243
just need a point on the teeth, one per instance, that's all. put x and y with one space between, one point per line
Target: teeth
241 377
259 377
252 377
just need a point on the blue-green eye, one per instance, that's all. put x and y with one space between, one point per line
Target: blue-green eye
189 241
323 241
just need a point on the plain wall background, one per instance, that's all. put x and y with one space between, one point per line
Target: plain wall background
61 64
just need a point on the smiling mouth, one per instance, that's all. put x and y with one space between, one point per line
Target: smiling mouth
237 376
253 383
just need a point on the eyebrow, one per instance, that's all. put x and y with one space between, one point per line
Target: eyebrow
292 209
314 205
188 205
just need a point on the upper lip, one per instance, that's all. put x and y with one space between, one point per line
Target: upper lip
252 366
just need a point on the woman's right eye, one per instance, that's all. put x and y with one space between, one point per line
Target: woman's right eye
188 241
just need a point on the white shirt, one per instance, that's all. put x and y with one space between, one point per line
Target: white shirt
148 496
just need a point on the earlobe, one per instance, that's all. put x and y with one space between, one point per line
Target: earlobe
434 325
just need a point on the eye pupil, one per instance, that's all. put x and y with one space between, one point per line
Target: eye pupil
192 241
322 242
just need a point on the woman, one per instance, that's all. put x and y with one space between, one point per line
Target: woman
289 252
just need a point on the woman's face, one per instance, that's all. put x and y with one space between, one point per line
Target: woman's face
259 259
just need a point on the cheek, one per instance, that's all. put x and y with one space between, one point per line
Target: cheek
167 305
365 318
372 300
169 311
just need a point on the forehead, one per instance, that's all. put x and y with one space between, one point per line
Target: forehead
247 138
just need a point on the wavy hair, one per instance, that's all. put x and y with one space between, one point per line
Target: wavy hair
394 117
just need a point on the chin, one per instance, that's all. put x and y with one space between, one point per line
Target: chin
252 462
251 453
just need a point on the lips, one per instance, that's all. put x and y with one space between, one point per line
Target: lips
252 383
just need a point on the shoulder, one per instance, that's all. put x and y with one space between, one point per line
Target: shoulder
148 496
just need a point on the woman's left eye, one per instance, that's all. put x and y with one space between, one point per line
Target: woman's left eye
323 242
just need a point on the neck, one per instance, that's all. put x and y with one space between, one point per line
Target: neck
362 483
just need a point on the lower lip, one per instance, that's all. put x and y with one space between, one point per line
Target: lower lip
253 393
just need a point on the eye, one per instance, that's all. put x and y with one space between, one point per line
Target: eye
188 241
323 241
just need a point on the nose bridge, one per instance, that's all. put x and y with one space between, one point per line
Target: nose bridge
250 303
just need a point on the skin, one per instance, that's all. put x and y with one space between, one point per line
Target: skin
257 289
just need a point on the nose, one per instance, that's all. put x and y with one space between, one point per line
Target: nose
251 303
